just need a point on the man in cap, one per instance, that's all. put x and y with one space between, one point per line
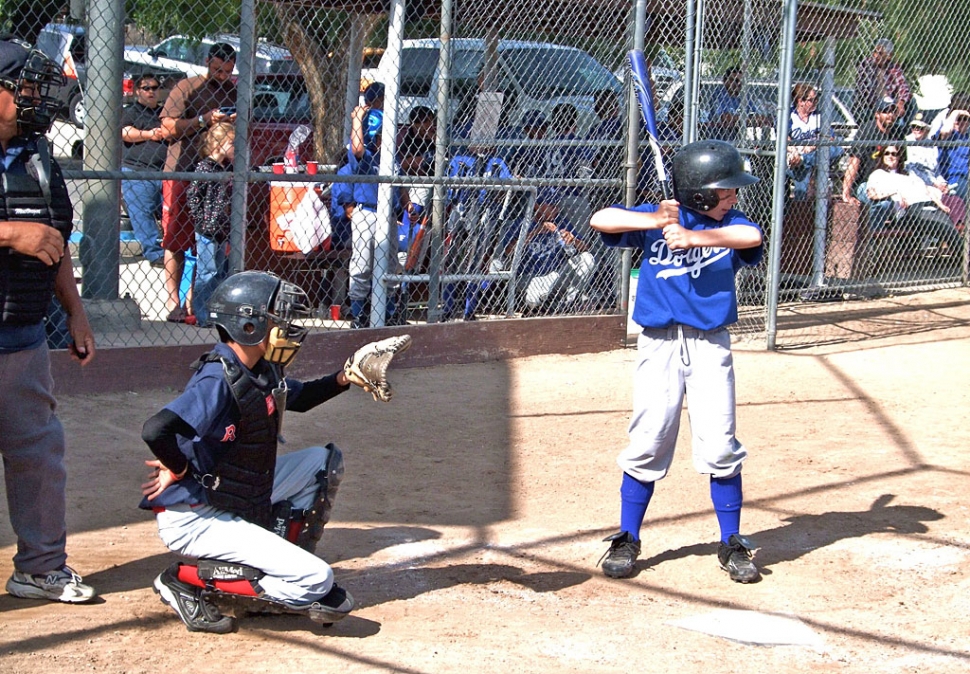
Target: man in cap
36 217
195 104
879 76
877 132
923 159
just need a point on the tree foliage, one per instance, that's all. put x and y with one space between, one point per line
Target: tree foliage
927 35
26 18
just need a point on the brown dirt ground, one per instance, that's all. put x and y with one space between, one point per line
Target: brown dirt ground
470 521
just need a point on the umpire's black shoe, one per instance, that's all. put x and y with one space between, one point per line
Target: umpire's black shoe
189 602
735 558
620 559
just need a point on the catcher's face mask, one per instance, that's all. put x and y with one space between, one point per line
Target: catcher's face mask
285 335
36 107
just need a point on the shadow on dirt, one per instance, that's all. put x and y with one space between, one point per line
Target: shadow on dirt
805 533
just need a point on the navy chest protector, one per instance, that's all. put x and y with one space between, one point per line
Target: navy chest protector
241 482
27 283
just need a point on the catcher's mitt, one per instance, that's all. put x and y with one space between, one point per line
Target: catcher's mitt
368 366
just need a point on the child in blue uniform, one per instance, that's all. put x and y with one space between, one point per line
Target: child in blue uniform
686 298
364 260
219 492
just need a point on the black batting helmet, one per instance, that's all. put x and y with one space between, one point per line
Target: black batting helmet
30 75
244 305
702 168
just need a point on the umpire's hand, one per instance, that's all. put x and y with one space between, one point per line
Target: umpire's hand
34 239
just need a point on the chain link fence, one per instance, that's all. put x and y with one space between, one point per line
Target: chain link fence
512 125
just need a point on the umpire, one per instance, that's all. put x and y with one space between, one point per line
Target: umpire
35 222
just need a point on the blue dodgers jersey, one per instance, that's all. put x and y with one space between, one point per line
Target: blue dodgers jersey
693 287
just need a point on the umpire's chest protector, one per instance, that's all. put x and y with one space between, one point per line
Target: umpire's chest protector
26 283
242 481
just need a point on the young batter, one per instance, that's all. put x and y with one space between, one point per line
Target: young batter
692 248
219 493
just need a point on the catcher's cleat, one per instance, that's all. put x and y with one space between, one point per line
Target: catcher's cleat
333 606
620 560
735 558
191 604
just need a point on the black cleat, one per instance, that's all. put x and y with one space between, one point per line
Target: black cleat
189 602
620 560
333 606
735 558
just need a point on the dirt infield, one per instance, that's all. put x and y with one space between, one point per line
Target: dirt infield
470 521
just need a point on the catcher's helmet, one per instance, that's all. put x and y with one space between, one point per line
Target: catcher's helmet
29 74
244 305
705 166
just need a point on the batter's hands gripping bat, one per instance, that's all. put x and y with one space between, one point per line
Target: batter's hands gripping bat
641 87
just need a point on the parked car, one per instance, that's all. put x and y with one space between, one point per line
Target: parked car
188 55
532 75
762 101
65 44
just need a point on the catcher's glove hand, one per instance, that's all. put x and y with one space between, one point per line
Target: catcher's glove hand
367 368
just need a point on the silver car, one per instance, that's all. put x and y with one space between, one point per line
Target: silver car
189 55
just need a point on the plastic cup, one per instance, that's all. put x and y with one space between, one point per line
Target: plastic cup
278 167
311 168
334 309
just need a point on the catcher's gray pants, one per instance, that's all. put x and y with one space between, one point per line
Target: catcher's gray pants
32 444
293 575
672 362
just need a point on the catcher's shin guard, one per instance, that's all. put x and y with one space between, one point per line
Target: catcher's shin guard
287 520
217 576
317 516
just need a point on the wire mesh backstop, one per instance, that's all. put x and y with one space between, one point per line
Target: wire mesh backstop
500 127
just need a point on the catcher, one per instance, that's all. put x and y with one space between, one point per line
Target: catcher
220 494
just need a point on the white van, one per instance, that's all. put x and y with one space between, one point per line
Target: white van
189 55
532 75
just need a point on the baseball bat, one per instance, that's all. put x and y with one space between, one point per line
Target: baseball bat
641 87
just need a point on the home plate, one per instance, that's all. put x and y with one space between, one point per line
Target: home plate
752 627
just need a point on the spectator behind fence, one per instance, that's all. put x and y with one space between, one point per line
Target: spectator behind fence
373 100
144 150
416 150
924 161
724 122
873 136
726 106
803 125
192 107
606 162
364 223
566 162
913 202
209 204
954 160
528 161
556 266
877 77
35 265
